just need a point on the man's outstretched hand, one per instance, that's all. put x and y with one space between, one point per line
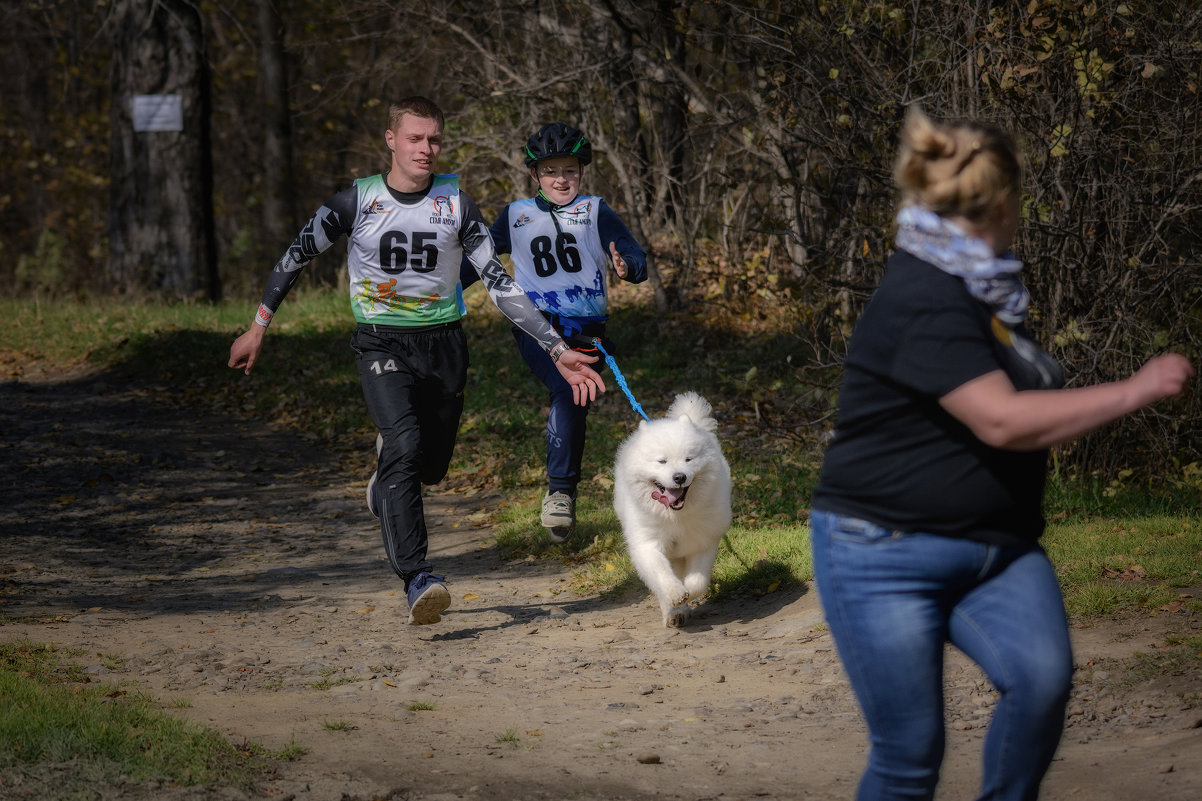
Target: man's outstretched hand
245 350
586 383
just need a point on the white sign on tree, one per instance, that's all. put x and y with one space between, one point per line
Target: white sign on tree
158 113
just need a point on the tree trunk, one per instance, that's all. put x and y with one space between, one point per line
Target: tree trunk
627 121
672 120
161 233
279 224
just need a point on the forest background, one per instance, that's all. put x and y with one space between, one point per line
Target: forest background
748 143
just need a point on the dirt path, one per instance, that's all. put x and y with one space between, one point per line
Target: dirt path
236 573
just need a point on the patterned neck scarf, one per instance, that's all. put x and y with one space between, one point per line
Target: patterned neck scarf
993 280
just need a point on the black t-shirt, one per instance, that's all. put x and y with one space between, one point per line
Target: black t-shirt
897 458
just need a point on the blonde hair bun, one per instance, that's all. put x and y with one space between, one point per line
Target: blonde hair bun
955 169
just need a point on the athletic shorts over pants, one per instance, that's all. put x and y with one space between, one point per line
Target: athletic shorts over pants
413 381
893 599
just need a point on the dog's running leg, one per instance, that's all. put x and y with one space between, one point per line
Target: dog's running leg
697 571
680 612
656 572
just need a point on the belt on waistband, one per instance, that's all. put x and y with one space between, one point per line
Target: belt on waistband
576 326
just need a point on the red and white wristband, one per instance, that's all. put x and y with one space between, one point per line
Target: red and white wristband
263 316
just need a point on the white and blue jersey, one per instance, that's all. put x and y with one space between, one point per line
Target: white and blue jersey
560 254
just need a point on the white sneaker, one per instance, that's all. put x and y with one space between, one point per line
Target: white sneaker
559 515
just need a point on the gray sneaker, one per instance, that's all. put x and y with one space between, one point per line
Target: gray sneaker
559 515
371 482
428 599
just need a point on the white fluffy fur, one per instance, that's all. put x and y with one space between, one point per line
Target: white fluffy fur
673 549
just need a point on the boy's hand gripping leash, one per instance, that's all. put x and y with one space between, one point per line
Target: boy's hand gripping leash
613 366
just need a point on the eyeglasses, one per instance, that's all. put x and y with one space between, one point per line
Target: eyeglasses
567 173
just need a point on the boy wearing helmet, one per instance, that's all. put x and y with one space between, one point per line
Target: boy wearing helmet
407 232
561 243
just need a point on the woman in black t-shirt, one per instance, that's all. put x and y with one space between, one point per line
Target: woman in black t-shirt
926 519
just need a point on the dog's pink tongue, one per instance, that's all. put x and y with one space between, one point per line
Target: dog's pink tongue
670 498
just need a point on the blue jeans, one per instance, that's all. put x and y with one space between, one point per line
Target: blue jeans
894 599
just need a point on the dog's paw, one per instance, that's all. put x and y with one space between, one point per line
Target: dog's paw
677 617
680 597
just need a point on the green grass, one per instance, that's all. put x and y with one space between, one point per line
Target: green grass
51 715
292 751
1131 563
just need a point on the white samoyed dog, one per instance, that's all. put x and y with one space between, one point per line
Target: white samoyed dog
672 497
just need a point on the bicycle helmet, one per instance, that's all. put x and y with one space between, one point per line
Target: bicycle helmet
556 140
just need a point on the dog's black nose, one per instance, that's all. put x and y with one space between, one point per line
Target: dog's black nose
680 479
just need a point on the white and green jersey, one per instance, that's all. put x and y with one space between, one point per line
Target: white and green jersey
404 252
403 258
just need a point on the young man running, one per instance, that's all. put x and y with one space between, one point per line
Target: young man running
407 232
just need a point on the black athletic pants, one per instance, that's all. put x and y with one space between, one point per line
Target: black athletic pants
413 383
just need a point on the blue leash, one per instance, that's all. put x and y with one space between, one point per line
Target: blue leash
613 366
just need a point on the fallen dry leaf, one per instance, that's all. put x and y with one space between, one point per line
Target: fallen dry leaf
1133 573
